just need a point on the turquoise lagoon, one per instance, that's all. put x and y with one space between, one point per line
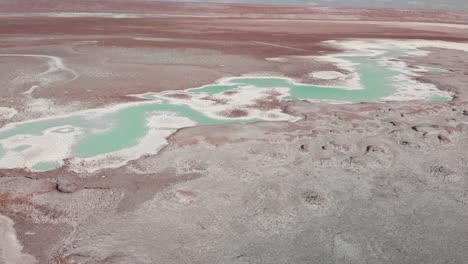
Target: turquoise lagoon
106 131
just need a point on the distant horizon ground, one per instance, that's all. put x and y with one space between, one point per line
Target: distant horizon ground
425 4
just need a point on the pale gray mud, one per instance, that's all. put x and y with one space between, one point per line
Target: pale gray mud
362 183
357 183
365 183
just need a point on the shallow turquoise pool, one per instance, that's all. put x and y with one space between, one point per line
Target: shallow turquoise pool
102 132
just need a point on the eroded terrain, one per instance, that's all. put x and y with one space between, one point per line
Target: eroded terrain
384 181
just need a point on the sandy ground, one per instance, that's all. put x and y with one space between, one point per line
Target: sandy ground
362 183
380 183
125 8
10 246
455 79
75 63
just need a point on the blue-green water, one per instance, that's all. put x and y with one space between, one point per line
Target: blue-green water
128 126
102 132
46 165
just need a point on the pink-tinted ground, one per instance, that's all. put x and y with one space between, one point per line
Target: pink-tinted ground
376 183
114 57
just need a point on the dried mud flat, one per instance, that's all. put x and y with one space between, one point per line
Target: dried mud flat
357 183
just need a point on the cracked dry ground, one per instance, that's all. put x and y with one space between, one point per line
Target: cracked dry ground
377 183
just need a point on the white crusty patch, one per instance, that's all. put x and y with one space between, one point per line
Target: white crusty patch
327 75
406 87
53 145
161 124
7 113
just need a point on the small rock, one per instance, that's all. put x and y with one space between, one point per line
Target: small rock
305 147
405 143
439 171
443 139
368 148
67 188
185 196
371 148
313 199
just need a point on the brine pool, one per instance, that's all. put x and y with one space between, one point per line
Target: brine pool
101 137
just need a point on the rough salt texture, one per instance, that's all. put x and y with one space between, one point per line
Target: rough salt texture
327 75
106 59
378 183
361 183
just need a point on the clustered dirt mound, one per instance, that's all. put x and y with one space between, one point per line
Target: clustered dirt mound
357 183
342 167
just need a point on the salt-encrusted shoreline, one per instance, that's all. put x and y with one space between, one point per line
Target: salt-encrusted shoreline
242 103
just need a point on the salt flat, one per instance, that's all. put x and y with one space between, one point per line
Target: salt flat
151 132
